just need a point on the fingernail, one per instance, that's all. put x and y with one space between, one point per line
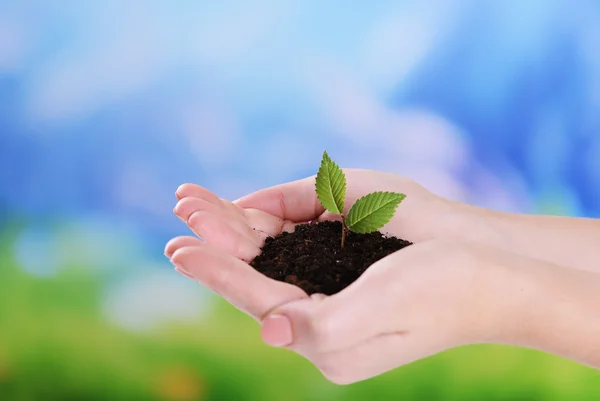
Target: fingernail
179 269
277 331
195 219
177 210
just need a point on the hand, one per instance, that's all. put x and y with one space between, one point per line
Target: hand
438 295
434 295
427 298
234 232
422 300
239 228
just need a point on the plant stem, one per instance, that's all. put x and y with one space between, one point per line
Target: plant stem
344 229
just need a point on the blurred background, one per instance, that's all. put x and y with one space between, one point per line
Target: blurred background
107 106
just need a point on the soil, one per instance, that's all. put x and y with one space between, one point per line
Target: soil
312 258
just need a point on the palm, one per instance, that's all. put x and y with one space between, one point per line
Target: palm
234 232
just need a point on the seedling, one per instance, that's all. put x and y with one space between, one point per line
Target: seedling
367 214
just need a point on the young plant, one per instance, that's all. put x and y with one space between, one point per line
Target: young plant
367 214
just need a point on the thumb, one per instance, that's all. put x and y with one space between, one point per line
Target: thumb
325 324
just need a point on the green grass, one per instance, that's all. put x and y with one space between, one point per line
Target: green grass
55 345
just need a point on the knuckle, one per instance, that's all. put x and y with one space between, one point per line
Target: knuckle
182 256
186 189
188 200
196 218
243 250
193 204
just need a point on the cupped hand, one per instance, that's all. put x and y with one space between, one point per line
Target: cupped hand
233 232
239 228
408 283
427 298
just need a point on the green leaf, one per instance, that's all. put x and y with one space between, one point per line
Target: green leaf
331 185
373 211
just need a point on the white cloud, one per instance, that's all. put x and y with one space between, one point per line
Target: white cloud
399 40
140 186
15 42
351 108
212 133
115 50
434 152
230 34
508 194
287 153
425 137
79 81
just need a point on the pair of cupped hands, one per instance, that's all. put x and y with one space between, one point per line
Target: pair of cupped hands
444 291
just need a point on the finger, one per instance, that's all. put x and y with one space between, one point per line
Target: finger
180 242
241 285
196 191
265 224
221 235
295 201
366 358
187 206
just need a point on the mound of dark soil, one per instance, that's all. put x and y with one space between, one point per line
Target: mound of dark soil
312 258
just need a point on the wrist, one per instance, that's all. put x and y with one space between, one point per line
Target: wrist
481 323
540 305
558 311
509 297
479 294
502 298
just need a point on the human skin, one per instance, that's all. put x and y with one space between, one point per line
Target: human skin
457 285
567 241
